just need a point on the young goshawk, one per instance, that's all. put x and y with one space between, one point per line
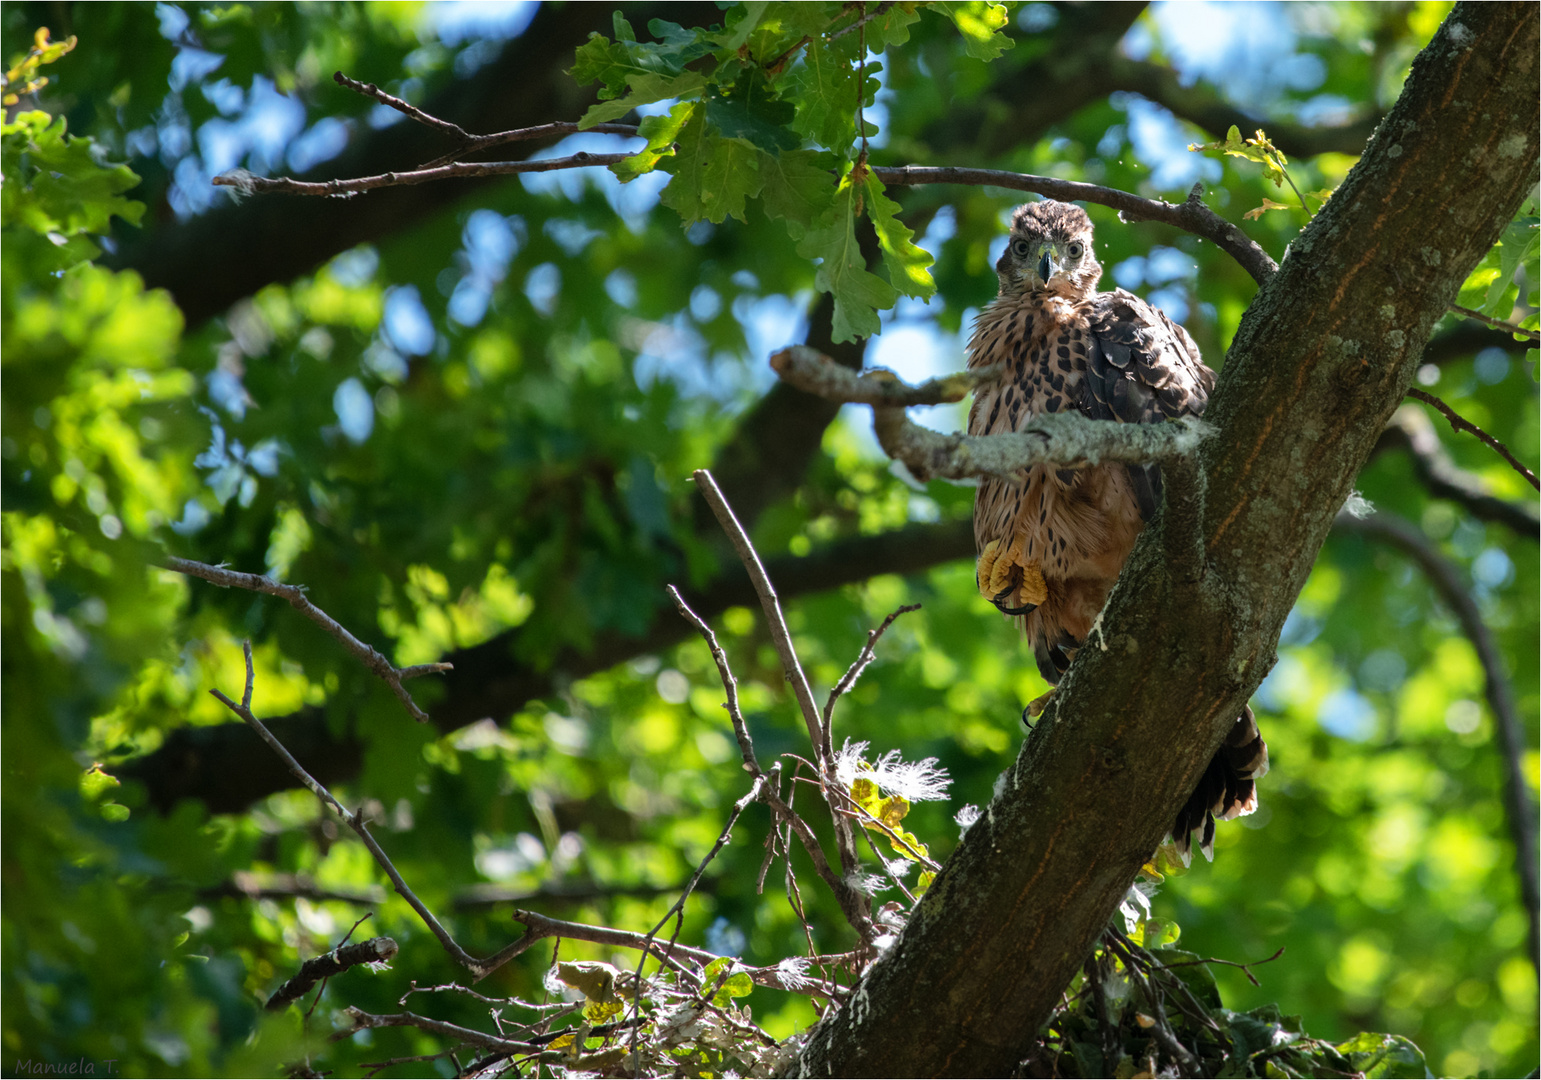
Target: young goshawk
1052 542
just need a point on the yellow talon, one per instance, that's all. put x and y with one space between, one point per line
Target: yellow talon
1039 703
987 559
1008 572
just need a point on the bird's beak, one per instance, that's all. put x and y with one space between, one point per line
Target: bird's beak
1045 268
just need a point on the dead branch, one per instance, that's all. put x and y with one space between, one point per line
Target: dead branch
377 950
356 822
295 594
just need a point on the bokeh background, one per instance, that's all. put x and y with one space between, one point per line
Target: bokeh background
465 416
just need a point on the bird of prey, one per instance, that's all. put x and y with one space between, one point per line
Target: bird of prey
1053 540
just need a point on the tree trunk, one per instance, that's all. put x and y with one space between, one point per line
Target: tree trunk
1321 359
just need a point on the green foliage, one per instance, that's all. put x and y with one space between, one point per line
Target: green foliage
780 77
520 486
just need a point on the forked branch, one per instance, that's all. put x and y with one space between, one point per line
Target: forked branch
295 594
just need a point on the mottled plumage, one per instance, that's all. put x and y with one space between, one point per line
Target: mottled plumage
1053 542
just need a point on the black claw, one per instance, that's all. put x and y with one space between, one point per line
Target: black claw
1000 597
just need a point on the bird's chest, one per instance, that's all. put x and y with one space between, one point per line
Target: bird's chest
1066 518
1043 353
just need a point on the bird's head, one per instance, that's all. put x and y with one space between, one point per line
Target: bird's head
1049 250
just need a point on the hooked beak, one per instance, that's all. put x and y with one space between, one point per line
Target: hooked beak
1046 267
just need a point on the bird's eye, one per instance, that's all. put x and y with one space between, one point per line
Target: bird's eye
1074 250
1021 248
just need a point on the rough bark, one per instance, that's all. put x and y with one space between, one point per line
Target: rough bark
1319 363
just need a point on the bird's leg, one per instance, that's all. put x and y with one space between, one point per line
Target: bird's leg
1008 580
1039 703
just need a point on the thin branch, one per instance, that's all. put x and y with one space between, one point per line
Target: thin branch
1245 968
771 604
1460 423
810 370
356 822
370 90
1161 1029
295 594
1496 324
729 683
852 903
244 884
468 143
865 657
539 927
248 184
1449 584
487 895
362 1020
875 13
1411 430
378 950
1190 215
677 911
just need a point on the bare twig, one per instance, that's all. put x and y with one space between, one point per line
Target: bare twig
1190 215
1411 430
677 911
1246 969
468 143
769 601
378 950
1162 1028
375 1067
444 127
729 683
362 1020
1460 423
875 13
539 927
356 822
487 895
249 184
865 657
295 594
852 903
247 885
1496 324
1449 584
